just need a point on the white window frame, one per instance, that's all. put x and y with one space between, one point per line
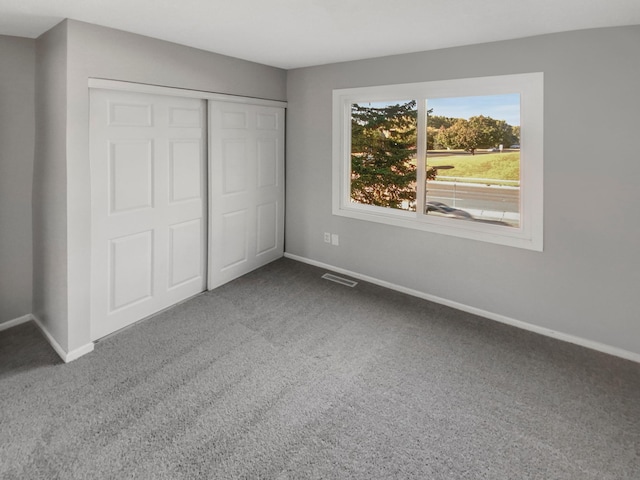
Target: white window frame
529 233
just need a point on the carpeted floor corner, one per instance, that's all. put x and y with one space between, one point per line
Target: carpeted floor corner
283 375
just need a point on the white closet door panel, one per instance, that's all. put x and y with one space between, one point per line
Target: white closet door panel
148 182
246 150
184 241
185 170
234 231
130 175
130 268
267 231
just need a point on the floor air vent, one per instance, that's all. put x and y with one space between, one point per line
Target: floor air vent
340 280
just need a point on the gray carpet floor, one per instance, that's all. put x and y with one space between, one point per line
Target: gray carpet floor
283 375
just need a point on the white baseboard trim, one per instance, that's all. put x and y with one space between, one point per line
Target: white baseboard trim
15 322
601 347
64 355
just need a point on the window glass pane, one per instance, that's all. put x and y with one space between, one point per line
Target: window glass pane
383 153
473 158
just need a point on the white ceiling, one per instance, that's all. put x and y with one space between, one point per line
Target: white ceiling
297 33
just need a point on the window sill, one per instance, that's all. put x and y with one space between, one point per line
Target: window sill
477 231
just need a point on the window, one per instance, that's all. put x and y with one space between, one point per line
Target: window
457 157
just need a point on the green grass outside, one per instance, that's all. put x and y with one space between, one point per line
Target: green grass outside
498 166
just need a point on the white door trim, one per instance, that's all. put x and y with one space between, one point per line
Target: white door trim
180 92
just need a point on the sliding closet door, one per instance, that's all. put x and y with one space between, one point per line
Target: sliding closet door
246 149
148 188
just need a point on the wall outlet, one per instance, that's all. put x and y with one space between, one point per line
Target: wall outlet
334 239
327 237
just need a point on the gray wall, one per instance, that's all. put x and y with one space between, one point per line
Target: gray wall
99 52
586 281
17 127
49 185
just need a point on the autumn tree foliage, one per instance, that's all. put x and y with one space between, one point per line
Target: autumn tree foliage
477 132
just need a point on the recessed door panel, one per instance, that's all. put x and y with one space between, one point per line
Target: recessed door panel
234 165
267 162
131 269
267 227
148 184
130 114
234 241
233 120
130 175
184 250
185 117
185 169
267 121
